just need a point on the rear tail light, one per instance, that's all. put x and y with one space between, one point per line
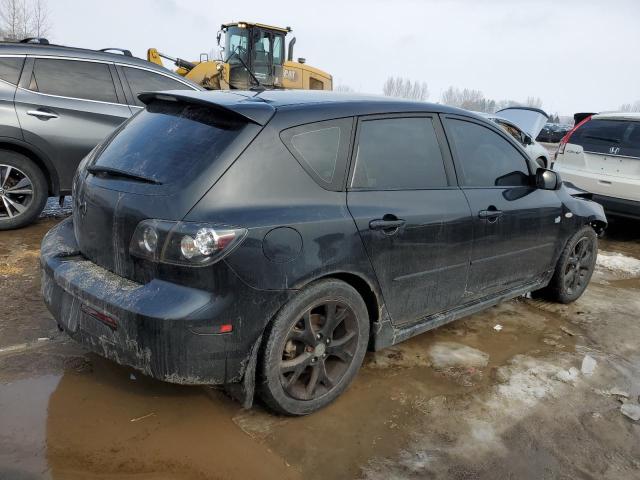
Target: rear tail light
184 243
565 139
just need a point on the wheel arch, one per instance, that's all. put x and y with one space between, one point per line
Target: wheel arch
363 287
41 161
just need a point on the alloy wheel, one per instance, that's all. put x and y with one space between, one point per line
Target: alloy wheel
16 191
578 266
318 350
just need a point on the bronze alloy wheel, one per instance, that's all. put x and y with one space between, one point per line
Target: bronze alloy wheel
318 350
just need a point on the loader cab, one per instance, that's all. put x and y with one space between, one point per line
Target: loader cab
257 47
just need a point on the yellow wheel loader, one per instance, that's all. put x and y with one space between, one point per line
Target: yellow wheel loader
253 56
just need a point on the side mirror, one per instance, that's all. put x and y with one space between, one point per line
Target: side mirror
218 37
547 179
527 140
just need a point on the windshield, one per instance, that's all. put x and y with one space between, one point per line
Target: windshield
236 41
167 141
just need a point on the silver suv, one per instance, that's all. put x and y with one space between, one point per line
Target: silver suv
56 104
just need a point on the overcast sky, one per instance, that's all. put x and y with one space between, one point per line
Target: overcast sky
577 55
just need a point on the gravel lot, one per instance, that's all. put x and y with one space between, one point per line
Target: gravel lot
525 390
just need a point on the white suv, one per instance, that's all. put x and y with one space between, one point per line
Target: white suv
602 155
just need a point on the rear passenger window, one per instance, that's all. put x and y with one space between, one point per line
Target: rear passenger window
10 68
321 148
145 81
73 78
486 159
398 154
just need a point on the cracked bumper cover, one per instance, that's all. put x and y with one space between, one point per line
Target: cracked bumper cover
159 325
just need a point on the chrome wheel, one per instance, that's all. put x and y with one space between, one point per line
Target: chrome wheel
16 191
318 350
578 267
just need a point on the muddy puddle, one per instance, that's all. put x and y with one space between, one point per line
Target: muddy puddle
98 420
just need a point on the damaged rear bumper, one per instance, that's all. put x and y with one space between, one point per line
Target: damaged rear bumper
160 328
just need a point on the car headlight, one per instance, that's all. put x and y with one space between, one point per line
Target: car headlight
184 243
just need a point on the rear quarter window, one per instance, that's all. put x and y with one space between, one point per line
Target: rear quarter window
321 148
613 137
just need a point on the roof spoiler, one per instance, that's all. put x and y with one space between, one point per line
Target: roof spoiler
248 109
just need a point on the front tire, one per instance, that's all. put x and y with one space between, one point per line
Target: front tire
23 190
574 268
314 348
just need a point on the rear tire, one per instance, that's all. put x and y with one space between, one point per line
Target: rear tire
314 348
23 190
574 268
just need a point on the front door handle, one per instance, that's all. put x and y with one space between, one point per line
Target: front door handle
491 213
42 114
384 224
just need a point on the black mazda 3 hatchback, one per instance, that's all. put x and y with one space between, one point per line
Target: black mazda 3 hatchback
266 240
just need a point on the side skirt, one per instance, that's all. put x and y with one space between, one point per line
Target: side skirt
386 334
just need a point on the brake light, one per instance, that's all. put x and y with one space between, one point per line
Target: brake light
184 243
565 139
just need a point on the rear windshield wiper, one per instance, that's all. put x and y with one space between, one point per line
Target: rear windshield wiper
115 172
604 139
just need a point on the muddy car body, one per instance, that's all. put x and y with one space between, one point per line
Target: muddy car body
281 246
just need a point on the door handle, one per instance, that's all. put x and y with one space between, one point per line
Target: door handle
42 114
491 213
382 224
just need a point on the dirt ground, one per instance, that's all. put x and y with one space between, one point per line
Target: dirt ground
540 397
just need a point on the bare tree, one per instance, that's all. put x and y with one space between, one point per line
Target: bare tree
24 18
405 88
535 102
343 88
11 16
630 107
468 99
40 21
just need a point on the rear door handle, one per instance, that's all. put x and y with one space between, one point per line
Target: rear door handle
42 114
382 224
490 213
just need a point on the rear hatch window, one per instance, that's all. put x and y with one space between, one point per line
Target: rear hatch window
611 137
168 142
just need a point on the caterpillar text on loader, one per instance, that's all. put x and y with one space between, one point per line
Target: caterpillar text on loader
253 57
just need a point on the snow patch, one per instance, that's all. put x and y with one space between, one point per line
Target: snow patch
618 263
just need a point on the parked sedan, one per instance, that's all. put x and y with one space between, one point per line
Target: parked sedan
300 229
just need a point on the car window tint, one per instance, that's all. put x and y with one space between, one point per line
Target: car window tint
73 78
10 68
186 138
398 153
486 159
604 136
322 149
146 81
319 149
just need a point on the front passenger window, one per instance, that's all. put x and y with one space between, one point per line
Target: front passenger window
487 159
